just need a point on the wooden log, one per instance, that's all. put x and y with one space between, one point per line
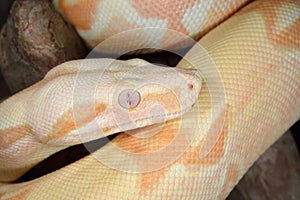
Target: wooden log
34 39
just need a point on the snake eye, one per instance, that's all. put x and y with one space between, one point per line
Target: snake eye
129 98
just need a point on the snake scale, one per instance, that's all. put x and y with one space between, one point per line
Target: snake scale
188 132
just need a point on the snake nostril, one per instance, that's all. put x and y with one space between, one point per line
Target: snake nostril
191 86
129 98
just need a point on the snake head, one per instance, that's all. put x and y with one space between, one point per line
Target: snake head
98 97
145 93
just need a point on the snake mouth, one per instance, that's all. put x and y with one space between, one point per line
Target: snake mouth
74 153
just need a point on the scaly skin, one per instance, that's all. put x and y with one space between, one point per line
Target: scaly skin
49 116
250 96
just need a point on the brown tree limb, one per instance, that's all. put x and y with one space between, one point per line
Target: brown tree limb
34 39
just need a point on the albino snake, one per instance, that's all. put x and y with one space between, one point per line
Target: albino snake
207 124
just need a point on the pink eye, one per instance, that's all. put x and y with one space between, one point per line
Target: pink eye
129 98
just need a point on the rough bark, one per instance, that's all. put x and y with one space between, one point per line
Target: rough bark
34 39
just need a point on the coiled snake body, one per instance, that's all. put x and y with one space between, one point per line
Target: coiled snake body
185 137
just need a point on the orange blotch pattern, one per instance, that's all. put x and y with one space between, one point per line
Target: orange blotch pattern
11 135
81 14
286 37
150 179
123 24
168 100
153 143
66 123
106 129
112 28
192 156
172 11
21 195
147 145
